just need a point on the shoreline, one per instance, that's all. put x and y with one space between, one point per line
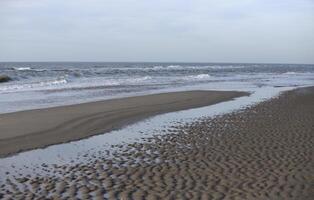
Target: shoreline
31 129
260 152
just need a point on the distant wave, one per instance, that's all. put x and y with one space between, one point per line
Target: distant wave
164 68
128 81
63 84
290 73
197 77
114 82
101 83
28 69
174 66
158 67
57 82
179 67
140 79
225 67
21 68
155 68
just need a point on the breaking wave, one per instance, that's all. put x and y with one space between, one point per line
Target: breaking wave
290 73
32 85
199 76
22 68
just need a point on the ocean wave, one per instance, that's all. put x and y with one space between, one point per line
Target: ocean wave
97 83
28 69
290 73
186 67
32 86
155 68
21 68
158 67
140 79
123 81
81 83
174 66
197 77
225 67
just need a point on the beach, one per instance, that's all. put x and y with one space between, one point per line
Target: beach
25 130
261 152
156 100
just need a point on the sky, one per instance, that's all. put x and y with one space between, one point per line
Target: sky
253 31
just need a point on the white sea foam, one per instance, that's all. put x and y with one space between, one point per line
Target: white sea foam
122 81
158 67
140 79
22 68
197 77
180 67
32 85
225 67
89 83
174 66
290 73
115 82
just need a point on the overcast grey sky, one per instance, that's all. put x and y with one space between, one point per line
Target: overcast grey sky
280 31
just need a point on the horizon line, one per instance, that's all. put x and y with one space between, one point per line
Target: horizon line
182 62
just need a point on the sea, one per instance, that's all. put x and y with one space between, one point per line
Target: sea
48 84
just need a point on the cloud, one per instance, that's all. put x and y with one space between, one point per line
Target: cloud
181 30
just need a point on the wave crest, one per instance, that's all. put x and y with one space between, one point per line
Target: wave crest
198 77
290 73
21 68
33 85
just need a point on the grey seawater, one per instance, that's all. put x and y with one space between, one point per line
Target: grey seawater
40 85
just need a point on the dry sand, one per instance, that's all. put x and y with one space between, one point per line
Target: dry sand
262 152
26 130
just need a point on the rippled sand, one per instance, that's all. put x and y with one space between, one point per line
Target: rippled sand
263 152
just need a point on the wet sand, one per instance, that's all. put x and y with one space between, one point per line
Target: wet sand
31 129
262 152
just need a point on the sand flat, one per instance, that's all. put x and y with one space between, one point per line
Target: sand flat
31 129
261 152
